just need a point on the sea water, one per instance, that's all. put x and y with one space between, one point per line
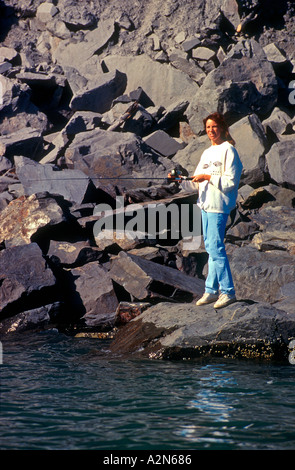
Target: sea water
59 392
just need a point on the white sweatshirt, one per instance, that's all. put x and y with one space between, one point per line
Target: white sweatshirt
223 163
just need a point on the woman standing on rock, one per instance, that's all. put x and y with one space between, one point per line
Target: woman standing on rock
218 175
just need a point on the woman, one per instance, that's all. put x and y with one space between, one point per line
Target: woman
218 174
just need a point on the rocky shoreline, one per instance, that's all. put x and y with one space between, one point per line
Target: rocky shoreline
97 105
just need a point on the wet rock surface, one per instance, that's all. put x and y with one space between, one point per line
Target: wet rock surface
100 102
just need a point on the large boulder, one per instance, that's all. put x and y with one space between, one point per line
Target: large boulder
141 71
244 83
77 53
144 279
281 162
109 157
26 279
251 144
95 288
17 110
99 94
73 185
184 331
25 216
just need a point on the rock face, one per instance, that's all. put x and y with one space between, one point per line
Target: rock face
98 102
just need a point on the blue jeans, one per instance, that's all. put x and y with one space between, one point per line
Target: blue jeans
219 273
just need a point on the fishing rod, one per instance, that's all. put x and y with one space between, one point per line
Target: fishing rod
174 176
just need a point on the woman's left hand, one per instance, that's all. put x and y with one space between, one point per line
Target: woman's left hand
201 178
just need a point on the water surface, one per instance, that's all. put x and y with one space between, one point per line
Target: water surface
65 393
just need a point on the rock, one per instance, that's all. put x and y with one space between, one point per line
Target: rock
76 17
279 122
277 58
114 155
25 142
178 59
280 196
239 86
37 178
26 280
184 331
76 54
141 71
100 96
189 156
251 144
16 109
8 54
25 216
126 311
95 288
203 53
46 11
145 279
190 44
259 275
172 115
36 318
280 163
71 255
162 143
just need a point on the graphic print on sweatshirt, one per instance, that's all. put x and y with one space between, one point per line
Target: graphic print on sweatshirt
213 168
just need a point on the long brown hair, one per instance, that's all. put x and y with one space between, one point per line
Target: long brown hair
219 119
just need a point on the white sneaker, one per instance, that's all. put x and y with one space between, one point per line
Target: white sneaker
207 299
224 300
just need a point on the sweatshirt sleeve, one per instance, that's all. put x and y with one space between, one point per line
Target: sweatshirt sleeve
231 173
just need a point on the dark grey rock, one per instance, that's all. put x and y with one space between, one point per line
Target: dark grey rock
144 279
25 279
35 178
185 331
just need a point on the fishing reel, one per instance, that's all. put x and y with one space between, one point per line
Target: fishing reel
176 175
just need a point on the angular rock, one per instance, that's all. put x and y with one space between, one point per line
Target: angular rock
259 275
46 11
17 109
189 156
26 280
172 115
239 86
107 154
244 330
73 185
179 60
94 285
281 162
126 311
25 216
76 17
203 53
162 143
141 71
251 144
76 54
70 255
139 122
98 96
279 122
145 279
36 318
27 142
